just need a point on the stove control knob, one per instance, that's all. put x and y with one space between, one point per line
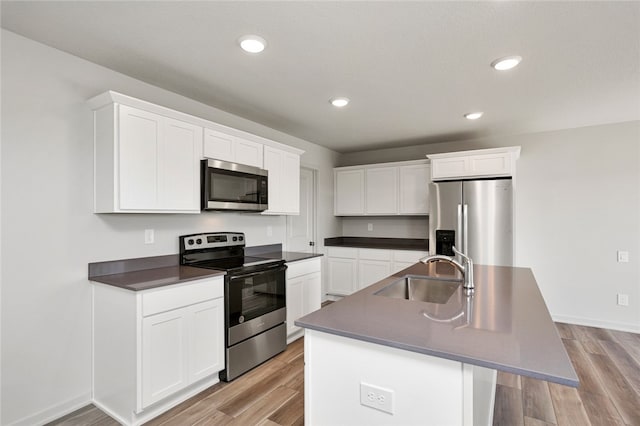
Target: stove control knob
241 238
199 241
190 242
235 238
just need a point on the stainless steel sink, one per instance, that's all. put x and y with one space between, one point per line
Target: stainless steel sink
421 288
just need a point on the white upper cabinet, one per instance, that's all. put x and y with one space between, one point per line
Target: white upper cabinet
284 181
348 192
414 189
226 147
145 162
381 190
387 189
147 158
481 163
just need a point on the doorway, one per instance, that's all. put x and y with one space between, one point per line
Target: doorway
301 229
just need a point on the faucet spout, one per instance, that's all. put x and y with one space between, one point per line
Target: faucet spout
465 268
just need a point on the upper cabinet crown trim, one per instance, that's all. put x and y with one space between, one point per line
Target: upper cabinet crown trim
514 150
110 97
376 165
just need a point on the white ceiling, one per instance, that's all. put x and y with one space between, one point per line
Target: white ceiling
411 69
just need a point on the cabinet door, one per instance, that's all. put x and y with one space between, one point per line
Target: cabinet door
349 192
414 189
295 302
291 183
372 271
164 365
206 339
284 181
248 152
138 136
342 275
312 299
382 191
179 153
273 162
218 145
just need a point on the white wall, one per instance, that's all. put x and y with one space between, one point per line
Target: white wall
386 227
577 203
49 233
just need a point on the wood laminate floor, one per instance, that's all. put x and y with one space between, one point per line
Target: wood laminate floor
607 363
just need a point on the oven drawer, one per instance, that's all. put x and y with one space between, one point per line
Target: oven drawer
179 295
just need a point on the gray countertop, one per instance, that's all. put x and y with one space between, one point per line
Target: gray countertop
158 271
418 244
157 277
505 325
289 256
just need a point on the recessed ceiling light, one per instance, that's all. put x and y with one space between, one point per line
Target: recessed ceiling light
506 63
339 102
473 115
252 43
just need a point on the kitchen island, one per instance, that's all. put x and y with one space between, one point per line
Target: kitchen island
374 359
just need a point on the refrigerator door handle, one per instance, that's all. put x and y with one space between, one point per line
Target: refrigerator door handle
459 230
465 220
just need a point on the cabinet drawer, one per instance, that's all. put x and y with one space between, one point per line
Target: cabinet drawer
180 295
408 255
374 254
303 267
344 252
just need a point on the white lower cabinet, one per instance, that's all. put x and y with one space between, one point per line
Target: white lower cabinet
180 347
304 292
342 275
155 348
351 269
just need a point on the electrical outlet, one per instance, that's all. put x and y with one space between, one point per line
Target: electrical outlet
623 256
149 236
623 299
376 397
369 226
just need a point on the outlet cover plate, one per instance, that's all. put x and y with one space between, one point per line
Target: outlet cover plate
623 256
377 397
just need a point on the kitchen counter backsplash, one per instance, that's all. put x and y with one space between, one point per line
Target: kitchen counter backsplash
379 243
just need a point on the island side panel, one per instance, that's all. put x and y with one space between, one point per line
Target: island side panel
424 387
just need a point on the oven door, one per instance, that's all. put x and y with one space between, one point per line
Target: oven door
230 186
255 302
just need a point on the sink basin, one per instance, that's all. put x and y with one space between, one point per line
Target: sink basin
421 288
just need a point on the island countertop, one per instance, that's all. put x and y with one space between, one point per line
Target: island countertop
505 325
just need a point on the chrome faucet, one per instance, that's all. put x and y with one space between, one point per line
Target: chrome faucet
466 268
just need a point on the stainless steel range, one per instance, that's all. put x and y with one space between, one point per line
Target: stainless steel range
254 297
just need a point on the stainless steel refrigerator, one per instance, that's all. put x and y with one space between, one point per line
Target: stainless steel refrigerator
475 216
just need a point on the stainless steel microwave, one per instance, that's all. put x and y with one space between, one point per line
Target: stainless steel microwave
231 186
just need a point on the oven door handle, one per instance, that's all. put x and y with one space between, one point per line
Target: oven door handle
260 272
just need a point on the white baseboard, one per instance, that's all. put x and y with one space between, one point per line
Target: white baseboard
162 406
55 411
590 322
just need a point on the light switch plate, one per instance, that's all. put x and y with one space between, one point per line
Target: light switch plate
149 236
